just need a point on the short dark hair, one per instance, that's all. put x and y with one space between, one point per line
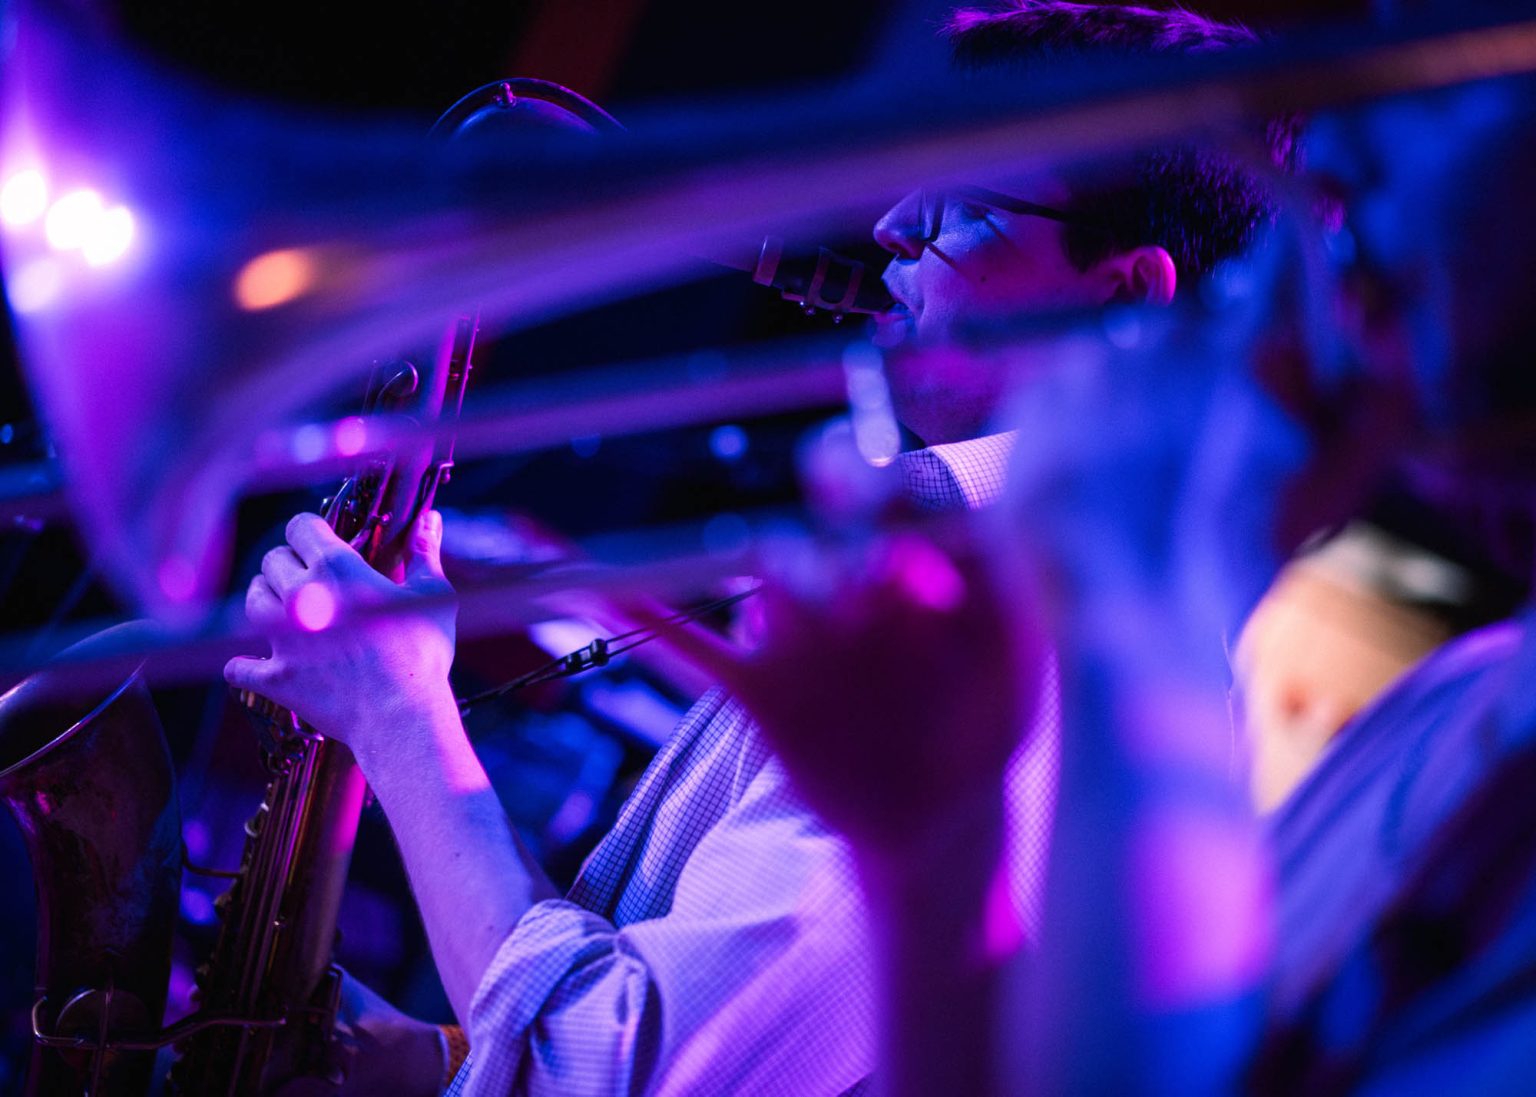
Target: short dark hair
1198 204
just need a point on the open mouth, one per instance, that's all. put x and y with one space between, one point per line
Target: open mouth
893 326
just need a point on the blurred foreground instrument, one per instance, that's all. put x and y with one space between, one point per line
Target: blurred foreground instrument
188 272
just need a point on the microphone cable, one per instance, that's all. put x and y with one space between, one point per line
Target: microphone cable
599 652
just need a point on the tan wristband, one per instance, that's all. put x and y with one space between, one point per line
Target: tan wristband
455 1051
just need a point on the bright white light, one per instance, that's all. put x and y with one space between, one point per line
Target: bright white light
72 218
23 198
108 237
34 286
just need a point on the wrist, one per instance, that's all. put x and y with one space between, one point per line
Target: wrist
970 914
412 736
1135 722
944 928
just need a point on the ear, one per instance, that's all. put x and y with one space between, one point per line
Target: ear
1142 276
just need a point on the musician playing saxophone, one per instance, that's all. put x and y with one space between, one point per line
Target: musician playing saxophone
716 941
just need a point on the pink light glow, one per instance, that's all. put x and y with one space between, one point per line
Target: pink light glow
926 575
1002 932
274 278
351 436
313 608
35 285
178 579
1202 893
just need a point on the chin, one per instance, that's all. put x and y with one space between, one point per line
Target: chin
909 408
937 430
937 414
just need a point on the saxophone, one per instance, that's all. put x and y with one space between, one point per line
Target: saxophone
96 805
90 784
271 970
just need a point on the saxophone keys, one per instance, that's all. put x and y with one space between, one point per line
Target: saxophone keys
254 823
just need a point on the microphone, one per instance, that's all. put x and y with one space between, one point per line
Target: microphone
822 279
826 280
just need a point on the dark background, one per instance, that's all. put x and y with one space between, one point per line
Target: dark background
561 767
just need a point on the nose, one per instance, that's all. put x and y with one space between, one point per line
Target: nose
901 229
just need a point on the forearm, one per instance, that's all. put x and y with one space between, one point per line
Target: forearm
1157 902
945 929
472 878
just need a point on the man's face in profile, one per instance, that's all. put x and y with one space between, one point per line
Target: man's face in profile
966 255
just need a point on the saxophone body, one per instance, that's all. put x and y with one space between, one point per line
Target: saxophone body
90 784
271 967
89 779
271 973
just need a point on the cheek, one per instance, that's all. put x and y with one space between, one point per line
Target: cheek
945 289
1005 272
1042 278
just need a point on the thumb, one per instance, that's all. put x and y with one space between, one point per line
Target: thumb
247 673
423 556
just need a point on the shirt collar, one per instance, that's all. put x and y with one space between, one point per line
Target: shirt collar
979 466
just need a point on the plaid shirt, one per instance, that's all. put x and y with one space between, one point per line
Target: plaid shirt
715 941
1407 885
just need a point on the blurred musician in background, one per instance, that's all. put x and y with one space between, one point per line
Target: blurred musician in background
1375 934
716 941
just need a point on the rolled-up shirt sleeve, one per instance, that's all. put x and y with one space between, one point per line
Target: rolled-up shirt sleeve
757 980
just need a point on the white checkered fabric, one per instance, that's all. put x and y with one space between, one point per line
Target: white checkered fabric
715 941
979 467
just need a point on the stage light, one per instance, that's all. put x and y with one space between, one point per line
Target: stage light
72 218
351 436
23 198
273 279
728 443
108 237
310 444
35 285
